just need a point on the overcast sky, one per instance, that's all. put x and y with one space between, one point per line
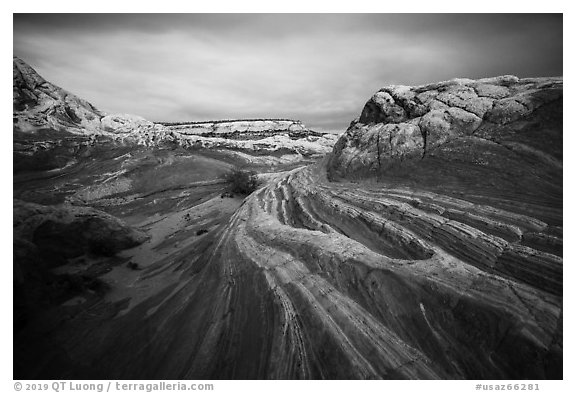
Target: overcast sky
318 68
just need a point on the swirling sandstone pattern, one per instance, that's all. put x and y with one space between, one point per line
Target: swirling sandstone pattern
323 281
449 267
428 246
316 279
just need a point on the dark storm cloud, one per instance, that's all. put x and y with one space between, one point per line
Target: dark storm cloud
315 67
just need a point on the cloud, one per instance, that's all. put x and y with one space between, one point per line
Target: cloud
317 68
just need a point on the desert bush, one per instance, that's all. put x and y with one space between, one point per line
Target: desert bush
242 181
133 266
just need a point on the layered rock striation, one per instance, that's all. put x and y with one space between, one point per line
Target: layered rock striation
427 246
316 279
430 272
236 129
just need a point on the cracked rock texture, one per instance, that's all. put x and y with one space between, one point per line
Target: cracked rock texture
404 123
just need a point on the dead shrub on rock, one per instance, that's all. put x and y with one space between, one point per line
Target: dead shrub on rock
241 181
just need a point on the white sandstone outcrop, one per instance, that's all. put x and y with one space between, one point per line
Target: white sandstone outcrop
401 122
39 104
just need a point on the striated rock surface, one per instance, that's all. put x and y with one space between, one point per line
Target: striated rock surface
406 254
289 138
448 267
315 279
237 128
280 143
382 282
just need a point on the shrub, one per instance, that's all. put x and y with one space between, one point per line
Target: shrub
242 181
133 266
201 232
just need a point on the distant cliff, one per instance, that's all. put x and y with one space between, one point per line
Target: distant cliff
38 104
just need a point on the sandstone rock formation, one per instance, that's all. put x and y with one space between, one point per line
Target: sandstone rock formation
461 116
432 272
287 138
40 105
315 279
427 246
380 282
282 144
237 128
46 237
62 232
